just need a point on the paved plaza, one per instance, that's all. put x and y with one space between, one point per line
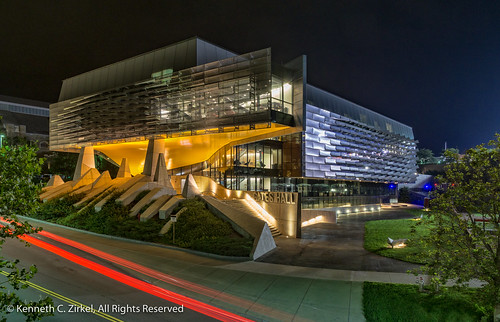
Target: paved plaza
338 246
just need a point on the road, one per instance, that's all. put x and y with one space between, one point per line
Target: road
83 286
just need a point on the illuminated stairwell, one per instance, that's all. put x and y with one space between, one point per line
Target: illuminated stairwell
243 206
238 200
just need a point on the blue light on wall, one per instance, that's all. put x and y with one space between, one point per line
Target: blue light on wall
392 186
427 187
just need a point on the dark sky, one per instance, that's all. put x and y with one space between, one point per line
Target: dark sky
434 65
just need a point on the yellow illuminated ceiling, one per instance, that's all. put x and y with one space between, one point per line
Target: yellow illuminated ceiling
186 150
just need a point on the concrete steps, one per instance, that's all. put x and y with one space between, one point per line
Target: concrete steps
144 201
244 207
245 224
152 210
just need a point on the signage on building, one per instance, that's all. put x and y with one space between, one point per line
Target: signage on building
276 197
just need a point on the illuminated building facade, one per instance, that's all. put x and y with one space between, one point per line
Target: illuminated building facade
242 120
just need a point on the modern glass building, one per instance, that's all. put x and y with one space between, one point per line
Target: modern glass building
24 119
242 120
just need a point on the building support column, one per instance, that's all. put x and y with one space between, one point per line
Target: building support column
155 147
85 162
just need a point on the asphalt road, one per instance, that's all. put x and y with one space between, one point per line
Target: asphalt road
90 288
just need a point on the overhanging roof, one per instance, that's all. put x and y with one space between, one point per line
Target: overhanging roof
341 106
182 55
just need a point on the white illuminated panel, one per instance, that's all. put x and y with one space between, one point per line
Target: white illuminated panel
337 147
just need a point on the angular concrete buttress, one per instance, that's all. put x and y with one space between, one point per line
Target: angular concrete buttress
87 178
103 180
190 189
55 181
155 147
124 170
85 162
161 175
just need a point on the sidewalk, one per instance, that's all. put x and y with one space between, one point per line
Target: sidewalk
325 273
259 291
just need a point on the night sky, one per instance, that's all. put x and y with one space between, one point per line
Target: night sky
434 65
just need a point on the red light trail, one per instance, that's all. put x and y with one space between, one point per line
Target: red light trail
136 267
156 274
192 304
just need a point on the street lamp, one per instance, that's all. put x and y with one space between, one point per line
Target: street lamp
173 219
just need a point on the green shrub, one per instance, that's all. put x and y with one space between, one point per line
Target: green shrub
198 223
224 246
131 228
57 208
197 228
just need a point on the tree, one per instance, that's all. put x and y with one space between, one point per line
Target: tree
445 159
61 163
18 195
425 156
64 164
464 242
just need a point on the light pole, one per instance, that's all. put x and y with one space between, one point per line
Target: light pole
173 218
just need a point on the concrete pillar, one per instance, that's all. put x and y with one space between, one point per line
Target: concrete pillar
103 180
161 175
190 189
155 147
124 170
85 162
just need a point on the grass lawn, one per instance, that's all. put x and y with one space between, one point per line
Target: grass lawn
397 302
377 232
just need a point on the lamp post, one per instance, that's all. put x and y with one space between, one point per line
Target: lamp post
173 218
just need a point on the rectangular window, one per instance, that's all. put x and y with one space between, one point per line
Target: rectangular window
251 155
267 157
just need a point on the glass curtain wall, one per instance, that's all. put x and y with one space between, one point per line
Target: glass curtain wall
230 92
281 95
267 166
333 193
247 166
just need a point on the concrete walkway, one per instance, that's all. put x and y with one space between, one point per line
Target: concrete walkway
338 246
